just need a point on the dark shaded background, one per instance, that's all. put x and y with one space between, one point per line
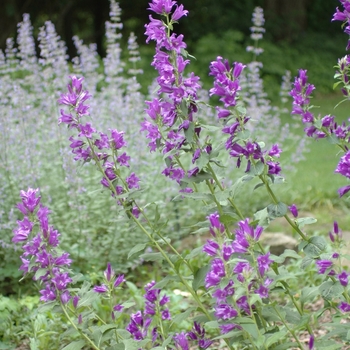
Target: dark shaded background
287 20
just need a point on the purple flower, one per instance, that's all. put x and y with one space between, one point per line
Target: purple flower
264 263
123 160
101 289
161 6
118 307
225 312
132 181
343 190
178 13
323 265
61 280
75 301
118 138
23 230
294 210
343 278
242 303
181 341
165 314
245 235
47 294
344 307
29 201
118 281
109 272
216 225
225 328
65 297
263 289
343 167
221 294
311 342
275 151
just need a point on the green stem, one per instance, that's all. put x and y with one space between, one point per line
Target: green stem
77 329
184 282
289 329
275 201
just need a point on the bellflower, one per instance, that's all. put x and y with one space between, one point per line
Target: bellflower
245 236
39 249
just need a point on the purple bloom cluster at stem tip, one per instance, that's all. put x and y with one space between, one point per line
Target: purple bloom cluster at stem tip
154 304
226 86
90 144
175 106
40 255
344 16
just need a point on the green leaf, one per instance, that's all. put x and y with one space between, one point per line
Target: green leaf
198 280
203 160
257 169
332 139
138 247
315 247
196 196
291 316
301 222
189 132
40 273
275 337
330 290
161 284
270 315
285 346
180 317
308 294
212 325
306 262
88 298
42 308
262 217
288 253
195 252
277 210
75 345
152 257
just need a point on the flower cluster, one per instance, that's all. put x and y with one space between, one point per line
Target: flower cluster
171 126
195 336
221 277
343 168
301 100
226 85
88 146
111 283
344 16
41 253
154 306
